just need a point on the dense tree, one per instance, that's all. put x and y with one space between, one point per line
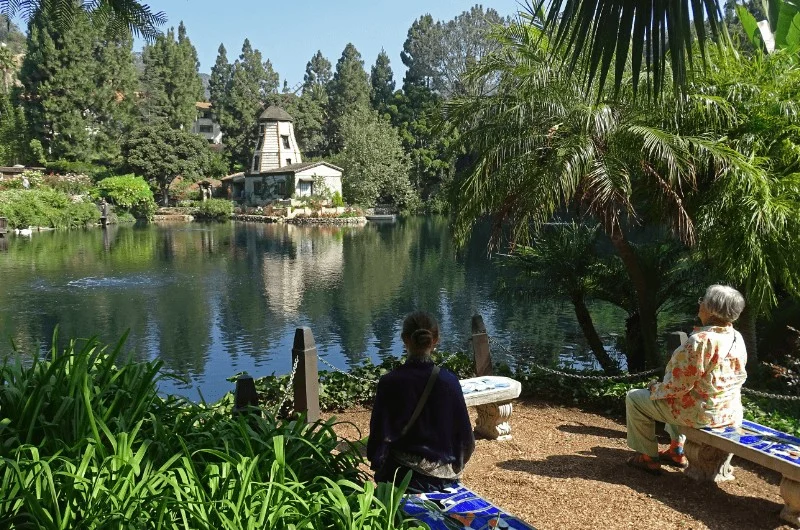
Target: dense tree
78 87
160 154
375 165
382 81
348 92
419 52
219 85
318 73
309 123
254 84
170 80
625 164
13 132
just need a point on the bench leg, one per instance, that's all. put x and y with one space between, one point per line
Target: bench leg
708 463
790 491
492 422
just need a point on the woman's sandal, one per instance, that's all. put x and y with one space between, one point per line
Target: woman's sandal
645 463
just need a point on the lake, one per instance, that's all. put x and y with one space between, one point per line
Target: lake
214 300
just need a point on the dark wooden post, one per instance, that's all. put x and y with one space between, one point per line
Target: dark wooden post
245 395
306 379
480 347
3 226
104 213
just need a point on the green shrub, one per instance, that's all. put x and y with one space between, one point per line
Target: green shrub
45 207
129 193
215 210
88 442
336 200
65 166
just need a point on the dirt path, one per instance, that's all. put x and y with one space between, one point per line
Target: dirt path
565 468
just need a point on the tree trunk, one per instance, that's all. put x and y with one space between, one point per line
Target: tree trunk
634 348
589 331
165 196
645 302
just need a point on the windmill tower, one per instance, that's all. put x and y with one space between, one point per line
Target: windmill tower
276 146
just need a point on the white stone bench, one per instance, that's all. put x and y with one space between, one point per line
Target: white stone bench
492 396
709 452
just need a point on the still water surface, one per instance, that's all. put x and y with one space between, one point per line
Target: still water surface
214 300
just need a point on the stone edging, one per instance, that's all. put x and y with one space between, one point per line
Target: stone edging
299 220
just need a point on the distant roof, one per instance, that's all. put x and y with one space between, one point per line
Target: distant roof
203 105
233 176
296 168
274 113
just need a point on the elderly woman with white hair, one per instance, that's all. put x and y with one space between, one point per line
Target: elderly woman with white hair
701 388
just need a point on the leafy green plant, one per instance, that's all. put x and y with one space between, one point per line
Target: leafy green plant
336 200
86 441
45 207
128 193
215 210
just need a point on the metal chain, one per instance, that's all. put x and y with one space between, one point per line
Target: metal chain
348 374
289 387
768 395
623 377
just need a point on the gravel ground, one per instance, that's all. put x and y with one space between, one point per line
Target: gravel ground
565 468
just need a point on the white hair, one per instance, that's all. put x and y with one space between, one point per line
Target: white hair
723 301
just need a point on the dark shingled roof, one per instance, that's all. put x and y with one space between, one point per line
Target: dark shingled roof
274 113
295 168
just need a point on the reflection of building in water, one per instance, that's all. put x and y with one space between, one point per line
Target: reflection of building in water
316 262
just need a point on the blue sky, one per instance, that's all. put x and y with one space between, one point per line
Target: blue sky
288 33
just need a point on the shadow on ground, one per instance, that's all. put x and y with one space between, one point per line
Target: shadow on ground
705 502
592 430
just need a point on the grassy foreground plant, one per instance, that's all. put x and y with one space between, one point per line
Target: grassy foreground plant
87 442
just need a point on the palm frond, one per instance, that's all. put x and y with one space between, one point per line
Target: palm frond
658 32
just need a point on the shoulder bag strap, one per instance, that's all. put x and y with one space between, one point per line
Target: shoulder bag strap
422 400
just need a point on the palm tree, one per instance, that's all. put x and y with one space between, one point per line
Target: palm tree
538 146
120 15
598 32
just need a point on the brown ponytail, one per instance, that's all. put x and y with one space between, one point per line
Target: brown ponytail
420 332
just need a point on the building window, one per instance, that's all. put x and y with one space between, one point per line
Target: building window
207 129
282 188
288 161
258 188
305 188
285 142
256 163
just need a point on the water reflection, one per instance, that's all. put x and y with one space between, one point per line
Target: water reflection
213 300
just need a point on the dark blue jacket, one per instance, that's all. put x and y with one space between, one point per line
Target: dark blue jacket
442 432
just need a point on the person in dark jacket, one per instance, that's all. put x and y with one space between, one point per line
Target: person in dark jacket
439 443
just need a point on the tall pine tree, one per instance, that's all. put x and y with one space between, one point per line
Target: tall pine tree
348 92
382 81
78 88
170 81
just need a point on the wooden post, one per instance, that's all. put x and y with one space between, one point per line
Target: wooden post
3 226
480 347
306 379
245 395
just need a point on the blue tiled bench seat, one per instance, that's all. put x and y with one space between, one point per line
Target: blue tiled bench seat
710 450
459 507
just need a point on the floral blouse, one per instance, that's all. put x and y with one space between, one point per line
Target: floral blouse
703 380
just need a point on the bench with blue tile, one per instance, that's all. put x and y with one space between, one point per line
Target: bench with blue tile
492 396
459 507
709 452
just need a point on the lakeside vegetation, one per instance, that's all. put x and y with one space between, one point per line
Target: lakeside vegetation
88 442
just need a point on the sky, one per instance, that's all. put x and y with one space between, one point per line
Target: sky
289 33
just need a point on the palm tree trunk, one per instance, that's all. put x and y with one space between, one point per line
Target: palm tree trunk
589 331
645 301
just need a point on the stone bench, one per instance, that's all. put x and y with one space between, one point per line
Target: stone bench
709 452
492 396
